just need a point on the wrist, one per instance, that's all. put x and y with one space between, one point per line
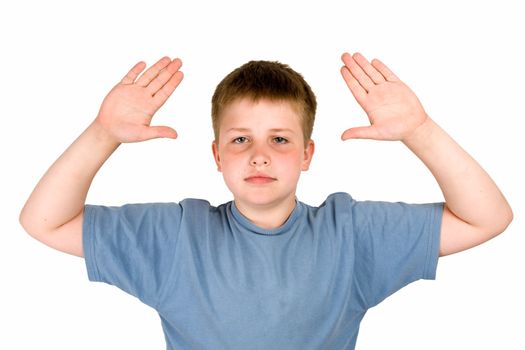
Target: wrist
421 134
102 135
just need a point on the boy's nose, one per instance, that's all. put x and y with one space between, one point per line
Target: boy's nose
259 157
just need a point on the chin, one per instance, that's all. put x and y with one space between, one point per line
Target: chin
262 199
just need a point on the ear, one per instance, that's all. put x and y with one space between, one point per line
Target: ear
215 150
308 154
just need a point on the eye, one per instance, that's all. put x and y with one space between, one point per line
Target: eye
240 139
280 140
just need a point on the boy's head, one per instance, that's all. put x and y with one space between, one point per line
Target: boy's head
267 80
263 114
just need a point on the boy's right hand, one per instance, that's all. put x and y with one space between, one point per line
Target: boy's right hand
54 213
127 110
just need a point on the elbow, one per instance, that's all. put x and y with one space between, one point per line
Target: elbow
507 218
22 219
496 224
32 227
29 224
25 222
502 220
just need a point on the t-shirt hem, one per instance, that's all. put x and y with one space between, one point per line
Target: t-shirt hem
88 244
434 242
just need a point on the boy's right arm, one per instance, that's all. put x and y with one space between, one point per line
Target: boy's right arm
53 213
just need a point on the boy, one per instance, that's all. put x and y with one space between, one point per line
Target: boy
264 271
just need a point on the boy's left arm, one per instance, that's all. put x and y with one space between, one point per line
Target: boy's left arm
475 209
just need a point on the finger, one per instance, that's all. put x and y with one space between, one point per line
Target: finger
154 132
153 71
361 132
384 70
369 69
165 92
164 76
358 73
357 90
133 73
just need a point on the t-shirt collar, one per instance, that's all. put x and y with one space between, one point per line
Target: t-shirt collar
251 227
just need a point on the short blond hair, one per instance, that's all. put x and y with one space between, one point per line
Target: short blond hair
265 80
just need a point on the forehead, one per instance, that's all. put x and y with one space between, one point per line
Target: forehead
246 113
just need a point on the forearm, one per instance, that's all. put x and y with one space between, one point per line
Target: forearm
61 193
469 191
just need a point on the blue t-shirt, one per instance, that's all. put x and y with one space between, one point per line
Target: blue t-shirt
220 282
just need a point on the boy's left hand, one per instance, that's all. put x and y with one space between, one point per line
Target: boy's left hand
393 109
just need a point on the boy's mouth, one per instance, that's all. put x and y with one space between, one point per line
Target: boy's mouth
260 179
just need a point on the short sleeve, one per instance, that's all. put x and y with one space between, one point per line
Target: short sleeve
131 247
395 244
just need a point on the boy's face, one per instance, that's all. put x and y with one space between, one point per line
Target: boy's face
261 152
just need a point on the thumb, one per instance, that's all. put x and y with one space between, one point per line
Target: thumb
361 132
153 132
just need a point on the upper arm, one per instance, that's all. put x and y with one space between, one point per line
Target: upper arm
458 235
66 238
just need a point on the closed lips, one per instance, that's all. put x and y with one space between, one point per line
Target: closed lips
260 178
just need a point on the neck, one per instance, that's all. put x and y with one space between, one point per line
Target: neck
267 216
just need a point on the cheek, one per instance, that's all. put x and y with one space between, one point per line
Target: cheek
231 163
291 161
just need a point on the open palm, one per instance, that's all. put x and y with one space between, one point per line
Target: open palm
393 110
127 110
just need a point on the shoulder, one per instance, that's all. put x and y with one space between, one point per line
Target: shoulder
336 208
141 213
340 198
338 201
160 207
196 204
343 206
336 198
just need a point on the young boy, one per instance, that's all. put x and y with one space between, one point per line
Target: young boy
264 271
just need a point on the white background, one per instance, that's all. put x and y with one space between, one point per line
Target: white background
463 59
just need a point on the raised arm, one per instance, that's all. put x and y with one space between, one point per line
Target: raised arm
54 211
475 209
